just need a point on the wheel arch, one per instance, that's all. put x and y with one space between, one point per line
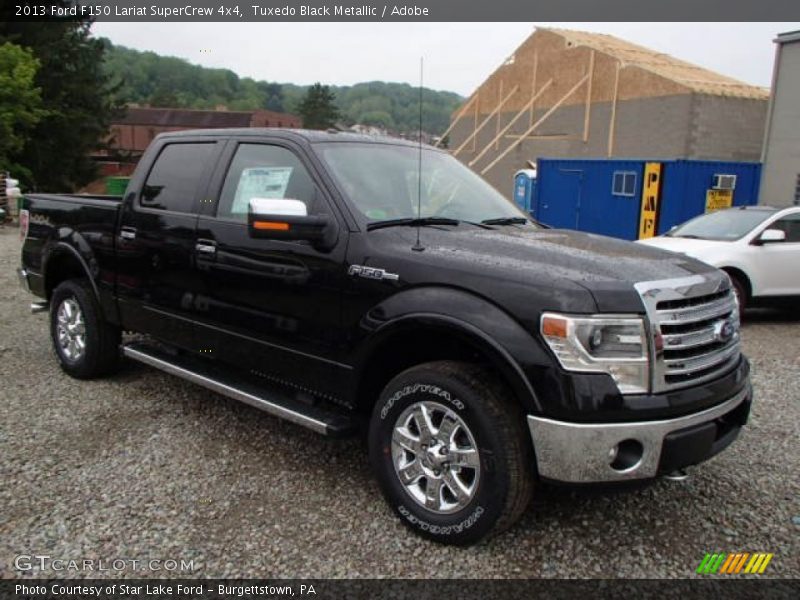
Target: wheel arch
422 337
740 275
65 262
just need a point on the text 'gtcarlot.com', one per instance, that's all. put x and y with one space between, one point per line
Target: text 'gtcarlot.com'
42 562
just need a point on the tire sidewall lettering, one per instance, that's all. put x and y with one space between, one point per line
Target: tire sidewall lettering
420 388
455 528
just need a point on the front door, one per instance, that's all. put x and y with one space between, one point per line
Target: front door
777 264
156 280
269 306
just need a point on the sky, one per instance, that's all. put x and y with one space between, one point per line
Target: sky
458 56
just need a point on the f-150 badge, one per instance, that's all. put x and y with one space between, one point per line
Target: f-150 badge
371 273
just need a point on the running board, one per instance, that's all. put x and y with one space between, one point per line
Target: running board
269 399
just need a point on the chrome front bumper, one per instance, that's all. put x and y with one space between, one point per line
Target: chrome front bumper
584 452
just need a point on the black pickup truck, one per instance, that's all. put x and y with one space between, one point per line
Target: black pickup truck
348 283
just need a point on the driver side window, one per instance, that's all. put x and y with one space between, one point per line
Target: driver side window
263 171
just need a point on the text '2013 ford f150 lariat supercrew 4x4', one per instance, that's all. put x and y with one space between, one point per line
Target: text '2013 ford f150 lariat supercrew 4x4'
346 282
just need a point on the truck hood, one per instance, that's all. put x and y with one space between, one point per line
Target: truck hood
549 259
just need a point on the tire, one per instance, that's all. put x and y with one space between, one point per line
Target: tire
486 430
85 344
740 290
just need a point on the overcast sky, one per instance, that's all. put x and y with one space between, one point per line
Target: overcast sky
458 56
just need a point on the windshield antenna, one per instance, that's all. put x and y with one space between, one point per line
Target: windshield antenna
419 247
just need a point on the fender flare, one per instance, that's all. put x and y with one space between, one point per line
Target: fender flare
503 351
61 248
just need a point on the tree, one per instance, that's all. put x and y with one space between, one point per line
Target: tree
318 108
78 98
20 104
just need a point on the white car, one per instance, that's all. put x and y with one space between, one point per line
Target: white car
758 246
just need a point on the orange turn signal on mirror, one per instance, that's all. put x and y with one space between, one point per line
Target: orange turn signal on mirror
554 327
270 225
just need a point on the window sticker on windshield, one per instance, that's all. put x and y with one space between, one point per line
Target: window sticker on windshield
260 182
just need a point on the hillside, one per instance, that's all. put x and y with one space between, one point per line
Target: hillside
150 79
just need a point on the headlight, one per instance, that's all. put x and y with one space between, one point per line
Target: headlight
613 345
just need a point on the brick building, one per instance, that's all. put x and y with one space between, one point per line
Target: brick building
131 134
586 95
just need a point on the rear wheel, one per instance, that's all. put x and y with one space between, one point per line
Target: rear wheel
86 345
451 452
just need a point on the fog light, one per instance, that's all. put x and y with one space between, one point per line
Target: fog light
627 455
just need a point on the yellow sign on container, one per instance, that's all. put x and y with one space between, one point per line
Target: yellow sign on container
650 200
718 199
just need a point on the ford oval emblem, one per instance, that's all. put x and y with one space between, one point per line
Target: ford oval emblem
723 331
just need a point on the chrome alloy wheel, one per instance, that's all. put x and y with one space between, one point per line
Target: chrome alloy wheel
71 329
435 457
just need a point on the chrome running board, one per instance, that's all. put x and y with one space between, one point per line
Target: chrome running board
271 400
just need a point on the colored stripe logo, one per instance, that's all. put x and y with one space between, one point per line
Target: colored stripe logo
731 564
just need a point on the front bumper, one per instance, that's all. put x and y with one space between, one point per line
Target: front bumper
585 452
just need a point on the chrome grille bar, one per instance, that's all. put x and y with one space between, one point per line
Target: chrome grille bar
694 324
701 362
693 314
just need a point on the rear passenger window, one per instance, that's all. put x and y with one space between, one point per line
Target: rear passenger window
262 171
173 180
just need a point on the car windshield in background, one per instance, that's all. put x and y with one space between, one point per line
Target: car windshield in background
724 225
382 181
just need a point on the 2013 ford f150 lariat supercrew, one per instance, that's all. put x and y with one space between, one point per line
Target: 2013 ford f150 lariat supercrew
352 283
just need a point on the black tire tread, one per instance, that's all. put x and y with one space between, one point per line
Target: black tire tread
107 358
511 422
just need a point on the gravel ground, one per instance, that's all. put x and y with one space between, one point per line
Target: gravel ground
144 466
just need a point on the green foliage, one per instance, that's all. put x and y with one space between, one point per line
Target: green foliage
318 108
149 79
77 98
20 104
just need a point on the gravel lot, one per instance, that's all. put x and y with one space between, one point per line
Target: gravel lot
144 466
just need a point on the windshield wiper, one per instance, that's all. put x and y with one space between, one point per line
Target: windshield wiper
688 237
412 222
505 221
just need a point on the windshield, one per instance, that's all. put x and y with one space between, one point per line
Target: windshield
382 181
725 225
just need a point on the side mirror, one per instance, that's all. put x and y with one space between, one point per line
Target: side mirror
770 236
286 219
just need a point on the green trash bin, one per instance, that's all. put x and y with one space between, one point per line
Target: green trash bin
115 186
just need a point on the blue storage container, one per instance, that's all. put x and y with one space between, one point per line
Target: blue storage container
686 183
605 195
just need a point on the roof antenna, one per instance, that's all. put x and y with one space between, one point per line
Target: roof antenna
419 247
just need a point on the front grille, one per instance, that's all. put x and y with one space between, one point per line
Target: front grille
695 328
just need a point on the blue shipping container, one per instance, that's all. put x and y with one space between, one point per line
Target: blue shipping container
605 195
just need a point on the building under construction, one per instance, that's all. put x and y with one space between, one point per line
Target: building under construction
586 95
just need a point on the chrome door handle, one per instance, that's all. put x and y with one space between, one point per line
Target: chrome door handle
206 247
127 233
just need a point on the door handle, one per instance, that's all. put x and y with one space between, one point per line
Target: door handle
127 233
206 247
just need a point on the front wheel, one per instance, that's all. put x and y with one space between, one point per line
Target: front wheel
451 452
85 343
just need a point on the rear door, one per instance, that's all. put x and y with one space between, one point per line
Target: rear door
156 279
270 306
